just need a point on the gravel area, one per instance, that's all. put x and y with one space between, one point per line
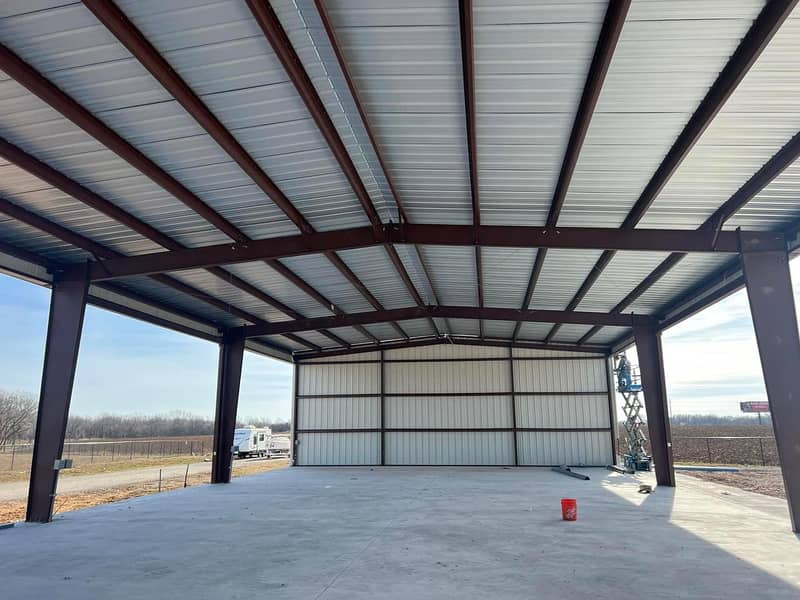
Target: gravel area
762 480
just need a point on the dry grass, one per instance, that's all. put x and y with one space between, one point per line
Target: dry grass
766 480
15 510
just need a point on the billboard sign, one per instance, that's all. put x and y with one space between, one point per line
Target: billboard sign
754 407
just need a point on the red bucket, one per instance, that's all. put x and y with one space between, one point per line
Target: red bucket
569 509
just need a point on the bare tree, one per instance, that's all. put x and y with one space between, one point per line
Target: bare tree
17 416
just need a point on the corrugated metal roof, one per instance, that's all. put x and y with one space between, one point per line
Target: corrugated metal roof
668 55
406 64
506 272
625 271
531 62
562 274
453 271
761 116
374 268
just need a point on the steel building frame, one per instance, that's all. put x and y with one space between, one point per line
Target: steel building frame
758 258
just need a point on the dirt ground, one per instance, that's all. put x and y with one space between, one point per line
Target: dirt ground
766 480
15 510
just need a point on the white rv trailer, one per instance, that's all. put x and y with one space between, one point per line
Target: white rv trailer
252 441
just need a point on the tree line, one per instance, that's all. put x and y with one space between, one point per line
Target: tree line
18 423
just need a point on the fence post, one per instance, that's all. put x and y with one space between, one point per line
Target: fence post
131 445
159 480
13 453
112 451
148 448
761 446
91 454
708 447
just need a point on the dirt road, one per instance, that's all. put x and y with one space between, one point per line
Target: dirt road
18 490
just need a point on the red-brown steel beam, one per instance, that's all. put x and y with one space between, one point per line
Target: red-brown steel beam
614 20
299 357
270 249
83 194
454 312
761 32
468 84
776 165
100 251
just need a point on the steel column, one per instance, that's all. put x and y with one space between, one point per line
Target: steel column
231 354
769 289
651 364
295 411
383 407
612 410
513 405
67 307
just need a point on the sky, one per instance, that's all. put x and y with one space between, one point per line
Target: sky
126 366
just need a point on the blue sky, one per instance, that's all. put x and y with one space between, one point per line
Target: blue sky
127 366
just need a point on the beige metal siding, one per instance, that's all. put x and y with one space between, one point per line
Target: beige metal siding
586 375
562 411
447 377
590 448
448 411
327 379
338 449
450 448
339 413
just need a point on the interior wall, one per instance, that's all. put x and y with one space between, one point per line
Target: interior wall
454 405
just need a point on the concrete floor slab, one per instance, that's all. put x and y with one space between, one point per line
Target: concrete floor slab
337 533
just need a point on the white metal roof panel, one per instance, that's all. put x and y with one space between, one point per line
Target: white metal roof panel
374 268
773 205
305 29
534 331
570 333
317 270
668 55
690 271
506 272
531 62
453 271
501 330
761 115
410 258
563 273
625 271
405 62
608 335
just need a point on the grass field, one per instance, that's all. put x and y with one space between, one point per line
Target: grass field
15 510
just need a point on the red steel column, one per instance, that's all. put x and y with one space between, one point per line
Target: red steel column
651 365
769 289
231 354
67 307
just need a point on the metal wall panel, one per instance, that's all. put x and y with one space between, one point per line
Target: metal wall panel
562 411
338 449
361 357
580 375
325 379
540 353
451 448
447 377
339 413
404 412
577 448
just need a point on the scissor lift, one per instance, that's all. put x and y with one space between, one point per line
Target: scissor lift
629 384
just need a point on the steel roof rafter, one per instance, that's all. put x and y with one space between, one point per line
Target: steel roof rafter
454 312
468 83
328 242
758 36
610 32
